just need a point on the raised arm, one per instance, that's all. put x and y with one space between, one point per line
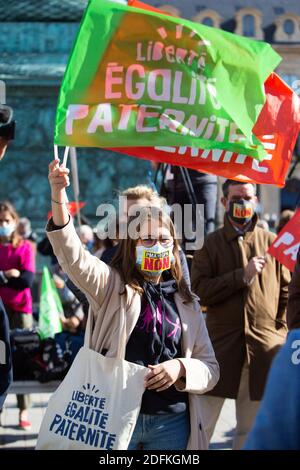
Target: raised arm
59 180
86 271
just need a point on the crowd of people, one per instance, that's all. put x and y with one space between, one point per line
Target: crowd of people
239 348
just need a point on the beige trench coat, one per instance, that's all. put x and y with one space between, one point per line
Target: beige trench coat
110 303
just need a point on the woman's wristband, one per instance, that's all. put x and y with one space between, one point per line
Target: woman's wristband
57 202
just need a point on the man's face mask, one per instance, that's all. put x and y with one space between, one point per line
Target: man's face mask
153 261
241 211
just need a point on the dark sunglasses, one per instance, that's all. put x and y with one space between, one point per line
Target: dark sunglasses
7 124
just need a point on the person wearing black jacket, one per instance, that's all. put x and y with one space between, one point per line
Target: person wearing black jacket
7 129
5 356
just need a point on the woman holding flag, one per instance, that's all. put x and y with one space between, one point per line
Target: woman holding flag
165 330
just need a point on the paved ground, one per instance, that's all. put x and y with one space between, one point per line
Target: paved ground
13 438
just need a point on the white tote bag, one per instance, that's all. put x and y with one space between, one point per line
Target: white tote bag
97 404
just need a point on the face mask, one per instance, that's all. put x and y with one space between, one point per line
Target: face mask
153 261
7 230
241 211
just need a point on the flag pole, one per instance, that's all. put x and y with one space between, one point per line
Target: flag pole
75 179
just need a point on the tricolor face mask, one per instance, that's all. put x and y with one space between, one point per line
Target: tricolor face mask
241 211
154 260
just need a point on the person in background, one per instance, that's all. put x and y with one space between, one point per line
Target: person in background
7 131
17 267
263 224
25 230
205 189
45 249
285 217
99 245
86 235
74 316
277 426
246 294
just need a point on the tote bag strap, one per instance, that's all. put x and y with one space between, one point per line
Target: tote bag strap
122 331
88 330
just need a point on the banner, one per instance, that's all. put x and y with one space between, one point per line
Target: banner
277 128
287 243
141 78
50 308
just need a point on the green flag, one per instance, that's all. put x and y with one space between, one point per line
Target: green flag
138 78
50 307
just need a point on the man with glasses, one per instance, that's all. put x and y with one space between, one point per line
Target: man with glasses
245 292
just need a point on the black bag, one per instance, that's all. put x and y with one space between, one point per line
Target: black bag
25 347
36 359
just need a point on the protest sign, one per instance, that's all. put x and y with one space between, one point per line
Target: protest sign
286 245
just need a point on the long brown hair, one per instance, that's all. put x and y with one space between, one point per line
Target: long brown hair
6 206
125 259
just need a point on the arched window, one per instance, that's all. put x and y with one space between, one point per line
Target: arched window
289 27
208 18
248 26
249 23
208 21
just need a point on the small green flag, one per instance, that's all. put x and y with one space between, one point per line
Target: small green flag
138 78
50 307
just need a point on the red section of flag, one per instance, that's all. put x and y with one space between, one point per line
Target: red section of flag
72 207
143 6
277 127
287 243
